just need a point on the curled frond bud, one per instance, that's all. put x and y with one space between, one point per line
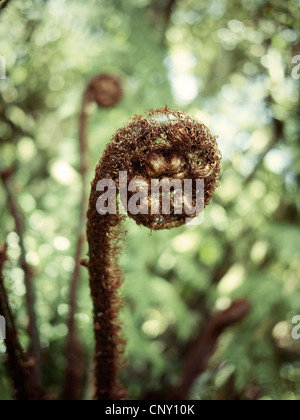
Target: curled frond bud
105 90
168 145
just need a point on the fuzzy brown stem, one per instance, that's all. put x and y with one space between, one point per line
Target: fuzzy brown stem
74 352
34 347
105 280
19 365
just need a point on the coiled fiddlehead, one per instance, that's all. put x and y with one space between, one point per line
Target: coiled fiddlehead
165 144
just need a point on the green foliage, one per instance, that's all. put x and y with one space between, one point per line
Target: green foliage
228 63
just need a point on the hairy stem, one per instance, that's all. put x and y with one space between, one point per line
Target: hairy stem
105 281
74 352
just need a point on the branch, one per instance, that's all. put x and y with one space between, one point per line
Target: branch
74 351
19 365
4 4
163 11
278 132
224 266
169 10
198 356
34 347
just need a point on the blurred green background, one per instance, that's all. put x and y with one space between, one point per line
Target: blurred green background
229 63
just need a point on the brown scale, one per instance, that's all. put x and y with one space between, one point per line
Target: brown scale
164 144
